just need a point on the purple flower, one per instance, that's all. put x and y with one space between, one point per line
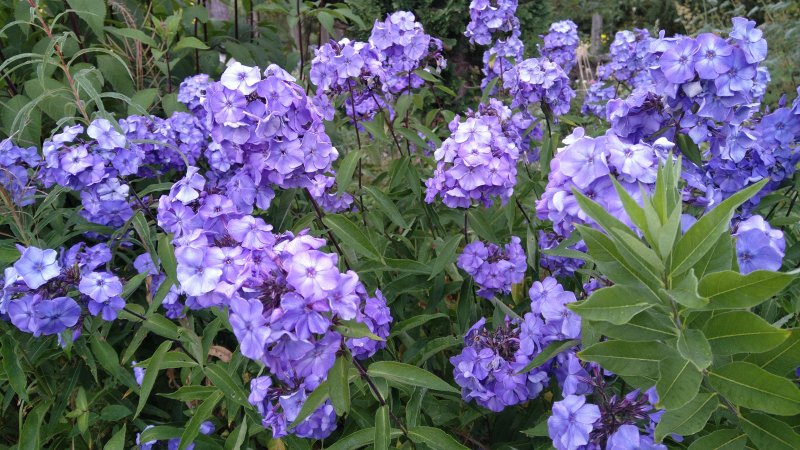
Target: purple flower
627 437
584 163
194 272
677 63
572 421
37 266
249 326
711 58
749 39
252 232
241 78
758 246
138 372
313 274
107 136
100 286
56 315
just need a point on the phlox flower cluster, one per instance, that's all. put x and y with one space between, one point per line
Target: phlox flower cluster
488 368
16 167
539 81
495 269
585 164
100 163
348 70
404 47
478 161
561 44
45 291
266 129
192 93
495 23
630 57
285 297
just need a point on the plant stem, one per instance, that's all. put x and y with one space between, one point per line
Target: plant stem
365 376
320 216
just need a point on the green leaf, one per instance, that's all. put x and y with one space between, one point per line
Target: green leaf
320 395
648 325
616 304
689 149
352 236
203 412
414 406
166 253
10 360
339 385
445 255
611 263
355 329
693 345
30 435
151 374
688 419
733 290
359 439
162 326
387 206
117 441
109 360
236 439
427 76
781 359
191 393
719 258
383 429
407 266
679 383
232 389
414 322
189 42
434 438
549 352
131 33
768 433
721 440
747 385
434 347
93 12
627 358
742 332
701 237
409 375
685 292
142 101
346 170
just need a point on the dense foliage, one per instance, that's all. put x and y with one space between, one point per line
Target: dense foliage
296 225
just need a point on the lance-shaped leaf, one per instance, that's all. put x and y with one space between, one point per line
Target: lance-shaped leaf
781 359
742 332
693 345
352 236
339 385
685 292
383 429
434 438
721 440
628 358
615 304
549 352
319 396
733 290
768 433
408 375
747 385
678 384
688 419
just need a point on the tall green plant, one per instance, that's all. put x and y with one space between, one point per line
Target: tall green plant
679 317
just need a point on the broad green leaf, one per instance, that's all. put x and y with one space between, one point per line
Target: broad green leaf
201 414
549 352
131 33
360 438
627 358
615 304
346 169
151 374
189 42
688 419
142 101
719 258
117 441
109 360
10 360
747 385
701 237
742 332
781 359
414 406
768 433
678 384
434 438
232 389
721 440
355 329
93 12
319 396
31 431
445 255
409 375
162 326
352 236
387 206
685 292
733 290
687 146
339 385
433 347
649 325
693 345
383 429
408 266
